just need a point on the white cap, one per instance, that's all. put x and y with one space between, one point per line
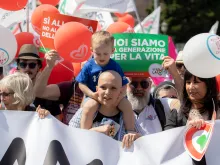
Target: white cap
179 58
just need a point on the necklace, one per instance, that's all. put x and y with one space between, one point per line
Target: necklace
198 114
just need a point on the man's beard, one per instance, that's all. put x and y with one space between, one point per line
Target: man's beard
138 102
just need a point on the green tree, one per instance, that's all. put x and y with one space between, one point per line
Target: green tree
187 18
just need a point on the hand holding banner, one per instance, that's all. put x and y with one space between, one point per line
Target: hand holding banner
196 141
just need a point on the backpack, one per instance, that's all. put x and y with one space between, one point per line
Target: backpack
158 106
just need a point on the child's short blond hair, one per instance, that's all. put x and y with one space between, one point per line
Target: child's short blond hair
102 37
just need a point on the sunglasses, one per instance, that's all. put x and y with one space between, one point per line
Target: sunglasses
179 65
144 84
4 94
31 65
172 97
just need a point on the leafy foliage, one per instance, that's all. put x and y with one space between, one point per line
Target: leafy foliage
187 18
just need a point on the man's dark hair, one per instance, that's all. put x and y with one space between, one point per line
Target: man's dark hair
166 85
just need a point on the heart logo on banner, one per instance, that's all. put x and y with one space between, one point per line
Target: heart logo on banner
36 41
80 52
196 141
4 56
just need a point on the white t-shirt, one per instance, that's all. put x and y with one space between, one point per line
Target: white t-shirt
149 121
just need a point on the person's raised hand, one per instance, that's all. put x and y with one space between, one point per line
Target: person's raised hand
51 57
169 64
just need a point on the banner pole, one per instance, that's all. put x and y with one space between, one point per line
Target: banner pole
138 17
155 4
27 14
19 25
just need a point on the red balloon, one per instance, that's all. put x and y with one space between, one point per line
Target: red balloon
77 68
41 54
218 82
37 15
26 38
50 2
60 73
72 41
120 27
120 14
13 5
129 19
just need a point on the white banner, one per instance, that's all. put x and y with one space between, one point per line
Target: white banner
77 7
9 18
103 5
130 6
67 7
28 140
15 29
32 6
151 23
104 18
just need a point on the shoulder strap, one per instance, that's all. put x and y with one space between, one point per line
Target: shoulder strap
158 106
74 85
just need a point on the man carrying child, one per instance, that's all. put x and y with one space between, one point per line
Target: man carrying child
102 48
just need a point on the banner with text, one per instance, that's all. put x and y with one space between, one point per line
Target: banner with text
51 23
28 140
141 54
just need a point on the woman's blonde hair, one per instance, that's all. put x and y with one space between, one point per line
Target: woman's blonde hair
21 86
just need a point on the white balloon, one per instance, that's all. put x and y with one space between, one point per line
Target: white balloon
201 55
8 46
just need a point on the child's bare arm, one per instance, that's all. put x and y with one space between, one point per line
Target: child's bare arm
89 109
87 91
128 114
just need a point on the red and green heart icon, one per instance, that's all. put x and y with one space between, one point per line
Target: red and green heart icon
196 141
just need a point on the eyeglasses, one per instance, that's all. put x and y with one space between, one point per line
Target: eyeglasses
4 94
31 65
172 97
144 84
180 65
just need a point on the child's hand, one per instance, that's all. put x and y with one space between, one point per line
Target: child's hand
106 129
120 97
95 96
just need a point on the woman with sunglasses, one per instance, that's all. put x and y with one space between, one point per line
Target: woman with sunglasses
16 91
199 100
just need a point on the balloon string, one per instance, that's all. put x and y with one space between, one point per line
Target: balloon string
58 61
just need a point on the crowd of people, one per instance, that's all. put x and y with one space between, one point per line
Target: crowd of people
100 98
